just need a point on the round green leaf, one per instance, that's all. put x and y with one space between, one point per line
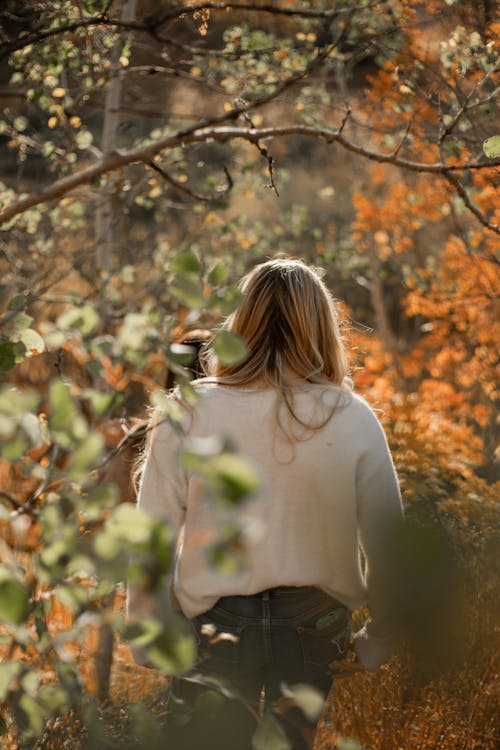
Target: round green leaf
491 147
229 348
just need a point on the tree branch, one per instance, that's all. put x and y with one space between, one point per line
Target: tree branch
192 193
153 25
197 134
455 182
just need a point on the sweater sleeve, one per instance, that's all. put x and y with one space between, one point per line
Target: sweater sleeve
379 510
162 494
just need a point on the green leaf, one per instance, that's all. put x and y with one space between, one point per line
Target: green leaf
491 147
167 405
307 698
14 402
134 331
173 651
102 402
187 288
14 598
64 419
228 556
234 477
7 355
103 496
84 139
18 302
226 301
18 323
54 699
86 455
32 340
83 319
8 672
35 714
270 735
217 274
187 262
348 743
229 348
15 448
142 633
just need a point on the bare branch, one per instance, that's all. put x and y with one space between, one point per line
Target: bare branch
202 134
453 180
14 501
188 191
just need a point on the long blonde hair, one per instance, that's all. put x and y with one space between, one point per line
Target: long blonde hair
289 323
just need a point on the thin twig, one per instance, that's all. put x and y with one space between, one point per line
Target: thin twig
189 191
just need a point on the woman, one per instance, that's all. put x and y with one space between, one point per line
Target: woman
328 488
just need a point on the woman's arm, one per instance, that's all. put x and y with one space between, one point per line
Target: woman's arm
380 514
162 494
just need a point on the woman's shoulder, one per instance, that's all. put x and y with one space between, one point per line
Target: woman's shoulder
367 417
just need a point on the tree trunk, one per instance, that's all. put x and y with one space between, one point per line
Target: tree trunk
105 221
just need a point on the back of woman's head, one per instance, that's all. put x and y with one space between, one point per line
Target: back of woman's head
288 321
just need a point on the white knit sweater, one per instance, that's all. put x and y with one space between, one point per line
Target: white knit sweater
322 498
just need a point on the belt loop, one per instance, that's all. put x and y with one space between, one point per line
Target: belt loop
266 625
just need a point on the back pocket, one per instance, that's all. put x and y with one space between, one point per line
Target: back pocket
328 640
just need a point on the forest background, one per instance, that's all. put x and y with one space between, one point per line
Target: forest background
152 152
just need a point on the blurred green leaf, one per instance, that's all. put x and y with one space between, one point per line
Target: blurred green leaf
173 651
32 340
83 319
270 735
234 477
226 301
18 323
143 632
185 262
102 402
229 555
15 448
14 402
14 598
34 712
229 348
349 743
164 403
18 302
147 727
8 671
307 698
217 274
86 455
100 497
135 330
187 288
54 699
7 355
